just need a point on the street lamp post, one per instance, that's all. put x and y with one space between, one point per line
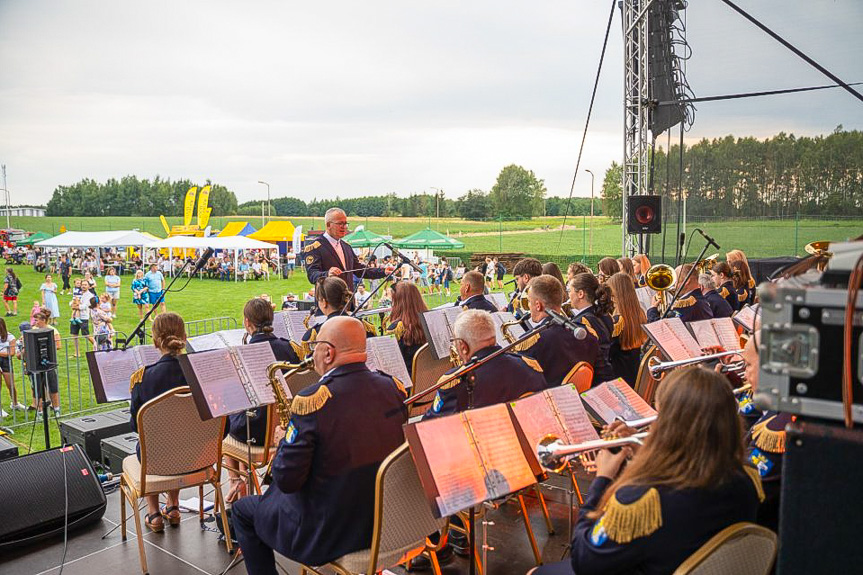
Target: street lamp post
269 212
590 241
437 200
6 193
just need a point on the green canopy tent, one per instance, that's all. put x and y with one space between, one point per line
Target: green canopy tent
363 238
37 237
429 239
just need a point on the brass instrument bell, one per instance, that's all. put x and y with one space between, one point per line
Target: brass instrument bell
660 278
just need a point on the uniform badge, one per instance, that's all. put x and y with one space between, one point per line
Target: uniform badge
437 405
291 433
598 536
761 462
309 260
746 406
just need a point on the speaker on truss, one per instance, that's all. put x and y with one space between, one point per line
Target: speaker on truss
666 81
644 214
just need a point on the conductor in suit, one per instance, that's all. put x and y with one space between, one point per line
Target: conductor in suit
330 256
321 503
471 293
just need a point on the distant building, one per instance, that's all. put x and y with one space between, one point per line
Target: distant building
23 211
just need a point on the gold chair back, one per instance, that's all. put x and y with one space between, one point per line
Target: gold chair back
742 549
581 375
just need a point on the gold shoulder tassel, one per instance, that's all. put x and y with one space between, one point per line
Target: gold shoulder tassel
528 343
400 386
136 378
618 327
589 328
756 480
532 363
625 522
308 404
766 439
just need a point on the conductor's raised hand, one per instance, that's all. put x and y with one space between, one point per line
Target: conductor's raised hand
334 271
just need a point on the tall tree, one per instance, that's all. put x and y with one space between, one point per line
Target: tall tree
518 193
612 197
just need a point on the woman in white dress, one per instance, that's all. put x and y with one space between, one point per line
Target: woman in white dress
49 297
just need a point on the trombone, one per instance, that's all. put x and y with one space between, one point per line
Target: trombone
660 278
657 367
553 454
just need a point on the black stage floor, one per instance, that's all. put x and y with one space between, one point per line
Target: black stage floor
188 549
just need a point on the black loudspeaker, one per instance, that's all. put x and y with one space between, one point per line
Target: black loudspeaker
8 450
33 493
644 214
88 431
40 351
821 512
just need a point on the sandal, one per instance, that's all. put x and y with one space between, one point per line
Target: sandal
171 514
154 522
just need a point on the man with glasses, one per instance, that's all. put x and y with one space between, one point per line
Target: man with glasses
320 505
330 256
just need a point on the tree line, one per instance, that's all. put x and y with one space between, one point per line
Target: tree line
130 196
780 176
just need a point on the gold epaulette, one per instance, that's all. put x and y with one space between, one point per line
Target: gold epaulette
589 327
298 349
136 378
618 326
756 481
742 296
308 404
527 344
398 330
400 386
751 283
685 302
314 245
532 363
625 522
767 439
723 291
451 384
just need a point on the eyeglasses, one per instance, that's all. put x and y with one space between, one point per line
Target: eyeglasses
340 224
314 344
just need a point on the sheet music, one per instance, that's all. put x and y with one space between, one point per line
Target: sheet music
498 299
216 340
506 466
615 399
438 326
220 382
146 354
114 369
459 479
383 353
281 327
716 332
645 297
571 411
704 333
746 317
255 359
673 338
536 419
501 317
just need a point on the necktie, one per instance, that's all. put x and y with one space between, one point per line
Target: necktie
338 247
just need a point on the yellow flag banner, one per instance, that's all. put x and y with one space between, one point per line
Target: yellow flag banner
189 205
165 225
203 210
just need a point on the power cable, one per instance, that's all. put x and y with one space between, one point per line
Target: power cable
749 94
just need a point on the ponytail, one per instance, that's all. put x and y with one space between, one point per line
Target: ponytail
604 302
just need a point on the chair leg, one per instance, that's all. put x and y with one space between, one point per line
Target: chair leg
140 534
256 481
122 492
549 527
575 486
220 505
529 529
201 504
435 564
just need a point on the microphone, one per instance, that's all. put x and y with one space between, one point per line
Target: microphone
202 261
403 257
710 240
560 319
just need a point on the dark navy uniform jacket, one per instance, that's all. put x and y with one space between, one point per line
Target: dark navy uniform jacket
258 423
320 256
764 451
478 302
505 378
312 333
718 305
397 330
745 295
652 530
729 294
688 307
557 351
321 503
600 327
152 381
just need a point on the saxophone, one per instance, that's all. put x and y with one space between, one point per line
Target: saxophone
283 402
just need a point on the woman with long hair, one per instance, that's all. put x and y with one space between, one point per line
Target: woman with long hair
723 277
606 267
591 307
739 256
627 336
743 283
687 483
169 337
552 269
640 265
627 267
404 320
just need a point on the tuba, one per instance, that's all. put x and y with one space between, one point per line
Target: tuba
661 278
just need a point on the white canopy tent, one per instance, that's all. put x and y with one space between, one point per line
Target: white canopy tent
110 239
235 243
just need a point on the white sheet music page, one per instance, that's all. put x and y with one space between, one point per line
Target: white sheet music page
667 334
255 359
280 325
501 317
438 329
220 382
384 355
115 369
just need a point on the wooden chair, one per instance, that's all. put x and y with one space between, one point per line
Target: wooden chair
425 372
300 381
742 549
403 520
172 460
581 375
260 454
645 385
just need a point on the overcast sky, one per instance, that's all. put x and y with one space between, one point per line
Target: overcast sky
355 98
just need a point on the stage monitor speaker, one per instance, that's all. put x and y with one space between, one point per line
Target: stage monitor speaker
40 351
821 511
33 494
644 214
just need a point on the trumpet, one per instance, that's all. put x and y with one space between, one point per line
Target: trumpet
553 455
745 388
661 278
657 367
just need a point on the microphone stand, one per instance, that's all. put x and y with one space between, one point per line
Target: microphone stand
677 292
